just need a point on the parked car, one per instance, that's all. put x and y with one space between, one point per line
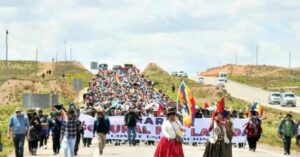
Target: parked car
182 74
201 79
287 99
274 98
174 73
221 82
223 75
103 67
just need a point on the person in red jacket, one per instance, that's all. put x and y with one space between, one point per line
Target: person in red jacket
253 130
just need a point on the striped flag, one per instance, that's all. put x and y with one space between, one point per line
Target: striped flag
187 101
118 79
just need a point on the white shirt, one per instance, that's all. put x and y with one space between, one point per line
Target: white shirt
298 129
167 129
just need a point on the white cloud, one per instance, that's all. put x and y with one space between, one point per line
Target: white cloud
176 34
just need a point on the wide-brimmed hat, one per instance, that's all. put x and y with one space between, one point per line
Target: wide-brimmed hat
18 109
171 110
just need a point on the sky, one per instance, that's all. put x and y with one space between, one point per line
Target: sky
189 35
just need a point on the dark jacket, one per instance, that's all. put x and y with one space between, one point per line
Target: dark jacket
55 127
35 132
131 119
102 125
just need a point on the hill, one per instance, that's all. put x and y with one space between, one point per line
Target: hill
267 77
26 76
202 93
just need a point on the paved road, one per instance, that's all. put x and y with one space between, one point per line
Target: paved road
250 93
148 151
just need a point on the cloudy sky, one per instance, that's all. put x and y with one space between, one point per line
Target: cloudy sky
190 35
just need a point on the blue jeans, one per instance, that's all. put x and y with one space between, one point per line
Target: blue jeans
19 144
69 146
131 131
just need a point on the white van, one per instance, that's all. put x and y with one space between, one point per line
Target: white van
223 76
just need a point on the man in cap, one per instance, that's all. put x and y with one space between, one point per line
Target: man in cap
18 126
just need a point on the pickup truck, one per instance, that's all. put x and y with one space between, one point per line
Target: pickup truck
287 99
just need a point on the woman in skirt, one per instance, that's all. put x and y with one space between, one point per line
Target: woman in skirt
216 144
168 146
253 130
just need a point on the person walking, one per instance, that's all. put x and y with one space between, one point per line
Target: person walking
297 130
170 144
79 133
253 130
18 125
45 129
34 135
216 143
101 126
286 132
68 133
131 119
55 127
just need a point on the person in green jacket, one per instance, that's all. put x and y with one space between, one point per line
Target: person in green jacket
286 130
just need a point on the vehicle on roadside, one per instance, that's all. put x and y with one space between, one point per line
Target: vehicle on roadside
223 75
103 67
274 98
182 74
174 73
117 67
221 82
288 99
201 79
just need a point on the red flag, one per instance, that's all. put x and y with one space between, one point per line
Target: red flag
160 109
206 106
220 106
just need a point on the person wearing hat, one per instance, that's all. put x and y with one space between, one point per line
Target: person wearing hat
169 144
18 126
253 130
216 146
286 131
101 127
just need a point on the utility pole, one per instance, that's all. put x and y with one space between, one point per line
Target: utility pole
236 58
6 56
56 57
290 62
36 60
70 54
65 50
256 55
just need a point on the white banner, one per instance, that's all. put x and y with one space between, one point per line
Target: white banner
88 124
150 129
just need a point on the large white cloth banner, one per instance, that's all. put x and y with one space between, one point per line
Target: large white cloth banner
149 128
88 122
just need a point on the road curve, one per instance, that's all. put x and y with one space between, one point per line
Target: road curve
250 94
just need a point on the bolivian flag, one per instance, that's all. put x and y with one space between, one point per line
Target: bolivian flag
187 101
